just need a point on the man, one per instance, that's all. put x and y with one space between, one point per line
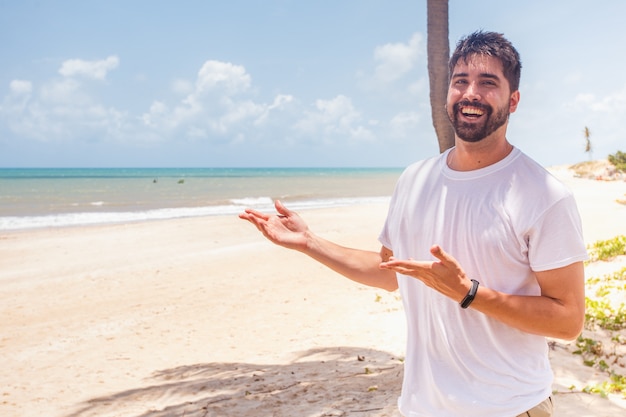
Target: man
486 248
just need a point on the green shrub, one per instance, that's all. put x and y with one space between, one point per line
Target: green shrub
616 384
601 313
604 250
618 160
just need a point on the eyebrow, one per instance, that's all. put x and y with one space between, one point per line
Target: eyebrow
481 75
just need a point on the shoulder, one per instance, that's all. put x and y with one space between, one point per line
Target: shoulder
536 179
535 197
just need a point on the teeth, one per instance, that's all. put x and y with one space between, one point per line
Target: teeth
472 111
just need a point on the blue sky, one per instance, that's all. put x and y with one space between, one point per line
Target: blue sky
287 83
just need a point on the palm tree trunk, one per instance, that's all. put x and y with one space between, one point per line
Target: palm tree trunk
438 55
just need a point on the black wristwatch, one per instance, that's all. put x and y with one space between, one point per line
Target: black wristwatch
465 302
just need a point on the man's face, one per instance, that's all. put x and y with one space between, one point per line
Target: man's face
479 98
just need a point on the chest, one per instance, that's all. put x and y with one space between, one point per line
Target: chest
464 217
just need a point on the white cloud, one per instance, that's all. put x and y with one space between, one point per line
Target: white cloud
327 113
280 102
403 124
394 60
222 75
66 90
396 74
17 100
240 112
20 87
339 109
612 104
60 110
62 122
582 99
217 104
96 70
333 117
157 110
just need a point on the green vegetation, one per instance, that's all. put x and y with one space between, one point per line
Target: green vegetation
610 282
596 354
616 384
604 250
601 313
618 160
588 346
603 342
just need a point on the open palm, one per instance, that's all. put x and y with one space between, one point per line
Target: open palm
286 228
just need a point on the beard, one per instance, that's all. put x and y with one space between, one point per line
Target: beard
475 132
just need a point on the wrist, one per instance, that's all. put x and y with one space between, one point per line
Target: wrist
471 294
310 243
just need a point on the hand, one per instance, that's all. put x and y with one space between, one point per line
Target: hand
445 275
285 228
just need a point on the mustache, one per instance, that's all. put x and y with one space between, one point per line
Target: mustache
466 103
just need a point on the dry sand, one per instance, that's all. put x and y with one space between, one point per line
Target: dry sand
202 317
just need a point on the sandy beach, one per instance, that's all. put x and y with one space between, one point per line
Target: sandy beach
203 317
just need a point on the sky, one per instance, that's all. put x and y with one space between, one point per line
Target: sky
287 83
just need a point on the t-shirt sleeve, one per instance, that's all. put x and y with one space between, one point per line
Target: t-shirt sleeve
556 238
384 237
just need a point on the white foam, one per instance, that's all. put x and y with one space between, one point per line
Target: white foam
252 201
92 218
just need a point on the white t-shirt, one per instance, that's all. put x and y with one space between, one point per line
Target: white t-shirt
501 223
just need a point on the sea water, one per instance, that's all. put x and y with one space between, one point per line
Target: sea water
58 197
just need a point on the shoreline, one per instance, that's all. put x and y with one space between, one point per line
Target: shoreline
597 172
98 218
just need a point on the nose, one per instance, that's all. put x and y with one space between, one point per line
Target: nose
472 92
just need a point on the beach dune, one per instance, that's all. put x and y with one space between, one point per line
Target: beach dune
203 317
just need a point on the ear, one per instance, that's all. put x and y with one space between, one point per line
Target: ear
514 101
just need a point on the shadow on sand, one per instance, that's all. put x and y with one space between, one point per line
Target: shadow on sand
337 381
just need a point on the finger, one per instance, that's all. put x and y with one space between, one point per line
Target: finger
246 215
406 270
282 210
257 214
389 263
407 265
442 255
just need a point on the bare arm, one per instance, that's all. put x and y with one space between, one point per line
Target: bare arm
558 312
287 229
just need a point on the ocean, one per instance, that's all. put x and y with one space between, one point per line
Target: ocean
60 197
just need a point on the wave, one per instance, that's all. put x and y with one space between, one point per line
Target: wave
252 201
234 207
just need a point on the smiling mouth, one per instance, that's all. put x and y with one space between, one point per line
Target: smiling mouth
473 112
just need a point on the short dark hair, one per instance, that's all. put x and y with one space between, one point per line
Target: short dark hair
490 44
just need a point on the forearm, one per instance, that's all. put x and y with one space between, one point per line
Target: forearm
358 265
558 312
287 229
539 315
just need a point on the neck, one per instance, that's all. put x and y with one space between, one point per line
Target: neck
469 156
